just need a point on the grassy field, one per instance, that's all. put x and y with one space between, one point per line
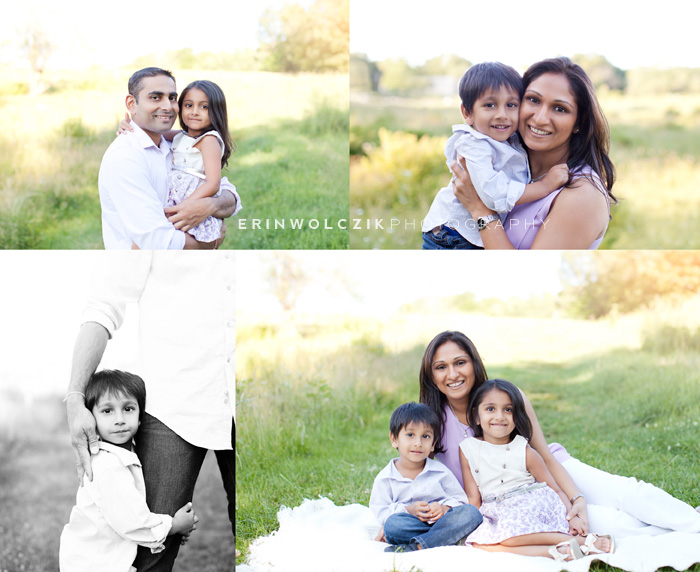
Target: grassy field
395 173
38 486
291 162
315 394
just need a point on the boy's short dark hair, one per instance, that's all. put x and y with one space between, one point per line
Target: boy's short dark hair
413 413
480 78
136 79
115 382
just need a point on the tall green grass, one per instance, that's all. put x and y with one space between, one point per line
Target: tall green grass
316 393
291 163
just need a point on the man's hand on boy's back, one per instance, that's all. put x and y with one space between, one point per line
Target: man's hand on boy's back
83 436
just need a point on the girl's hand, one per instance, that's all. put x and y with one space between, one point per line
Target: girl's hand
125 125
465 192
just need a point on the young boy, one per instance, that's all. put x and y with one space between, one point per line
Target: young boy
496 160
111 517
418 500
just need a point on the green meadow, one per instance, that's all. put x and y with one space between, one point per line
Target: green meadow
290 168
315 394
397 167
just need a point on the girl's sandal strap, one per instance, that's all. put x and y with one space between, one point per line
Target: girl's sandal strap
588 547
573 554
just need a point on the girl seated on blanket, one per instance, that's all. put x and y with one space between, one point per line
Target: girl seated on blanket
524 509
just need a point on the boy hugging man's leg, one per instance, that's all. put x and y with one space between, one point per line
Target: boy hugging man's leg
111 517
443 516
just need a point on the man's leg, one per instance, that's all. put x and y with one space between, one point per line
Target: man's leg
226 461
170 468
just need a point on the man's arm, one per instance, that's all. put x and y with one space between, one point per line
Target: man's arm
88 351
191 212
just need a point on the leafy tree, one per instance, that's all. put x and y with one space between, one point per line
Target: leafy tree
602 72
447 64
598 284
37 48
399 77
315 40
364 74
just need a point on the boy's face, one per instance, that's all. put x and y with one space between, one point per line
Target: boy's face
117 418
415 442
495 113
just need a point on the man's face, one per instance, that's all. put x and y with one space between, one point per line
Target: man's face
155 108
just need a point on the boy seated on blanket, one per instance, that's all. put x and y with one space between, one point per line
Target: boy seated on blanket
418 500
111 517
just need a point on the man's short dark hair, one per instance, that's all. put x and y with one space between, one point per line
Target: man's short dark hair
115 382
136 79
413 412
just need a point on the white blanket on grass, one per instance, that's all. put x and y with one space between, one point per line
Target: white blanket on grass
318 536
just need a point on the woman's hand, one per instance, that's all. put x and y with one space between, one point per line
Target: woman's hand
578 518
465 192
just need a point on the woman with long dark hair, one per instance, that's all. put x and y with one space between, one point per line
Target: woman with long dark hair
560 122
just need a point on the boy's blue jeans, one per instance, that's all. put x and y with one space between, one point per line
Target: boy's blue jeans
170 468
455 524
447 238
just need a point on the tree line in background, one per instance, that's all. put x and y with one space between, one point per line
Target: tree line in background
292 39
398 77
596 286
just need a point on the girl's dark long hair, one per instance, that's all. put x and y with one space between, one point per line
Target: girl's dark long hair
217 114
591 144
429 393
523 426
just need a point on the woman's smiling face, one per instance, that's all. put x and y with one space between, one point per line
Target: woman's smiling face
548 114
453 371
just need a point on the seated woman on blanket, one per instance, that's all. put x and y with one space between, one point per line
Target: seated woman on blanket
602 503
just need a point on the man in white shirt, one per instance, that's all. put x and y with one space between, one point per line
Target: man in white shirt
186 358
133 179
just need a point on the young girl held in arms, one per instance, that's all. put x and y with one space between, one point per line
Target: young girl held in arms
524 509
200 150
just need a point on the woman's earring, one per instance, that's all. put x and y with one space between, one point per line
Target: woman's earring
576 130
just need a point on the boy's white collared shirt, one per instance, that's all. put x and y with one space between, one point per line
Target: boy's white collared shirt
111 517
499 172
392 492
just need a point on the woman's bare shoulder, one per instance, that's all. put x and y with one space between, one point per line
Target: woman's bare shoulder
578 216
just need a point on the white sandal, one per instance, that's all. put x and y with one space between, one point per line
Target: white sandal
574 554
588 547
